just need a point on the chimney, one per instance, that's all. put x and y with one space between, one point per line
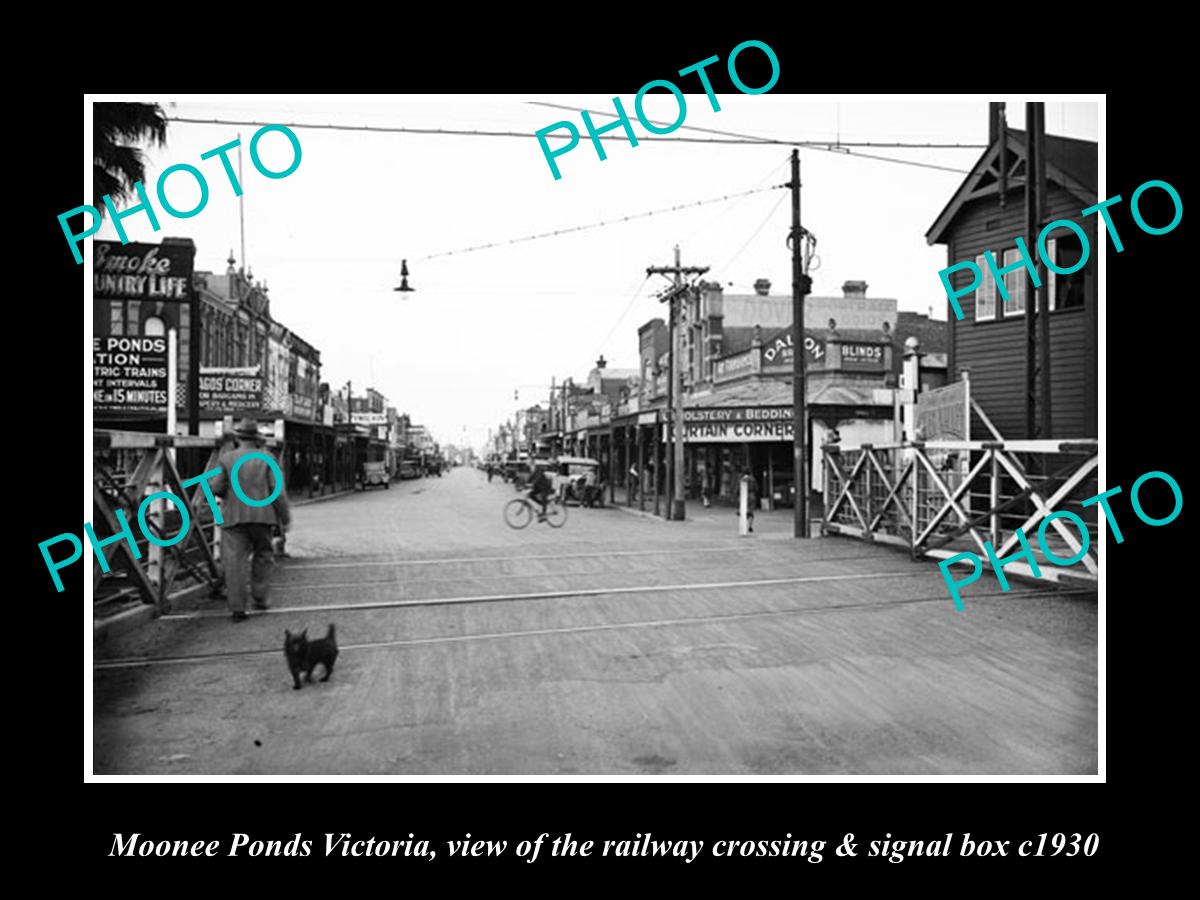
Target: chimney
601 362
855 289
762 287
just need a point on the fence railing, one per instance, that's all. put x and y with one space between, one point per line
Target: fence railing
128 467
939 498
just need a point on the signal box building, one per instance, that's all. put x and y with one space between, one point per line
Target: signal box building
987 212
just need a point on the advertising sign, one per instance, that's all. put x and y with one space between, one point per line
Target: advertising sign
129 374
944 414
369 418
231 390
142 271
737 424
778 351
732 366
862 356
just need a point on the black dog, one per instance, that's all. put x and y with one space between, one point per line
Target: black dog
303 654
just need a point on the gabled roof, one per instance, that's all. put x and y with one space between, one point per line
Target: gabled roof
1070 163
932 333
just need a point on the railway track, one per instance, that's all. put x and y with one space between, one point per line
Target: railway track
794 610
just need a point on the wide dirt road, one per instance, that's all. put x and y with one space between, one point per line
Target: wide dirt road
619 645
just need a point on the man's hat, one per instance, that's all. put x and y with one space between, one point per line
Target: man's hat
246 428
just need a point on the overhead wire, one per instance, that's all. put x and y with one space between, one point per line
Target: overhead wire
624 313
846 150
601 224
729 262
763 140
736 203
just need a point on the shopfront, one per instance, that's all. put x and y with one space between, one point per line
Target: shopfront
727 435
723 443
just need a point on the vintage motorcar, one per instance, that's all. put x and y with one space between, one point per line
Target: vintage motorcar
410 468
577 479
375 474
517 471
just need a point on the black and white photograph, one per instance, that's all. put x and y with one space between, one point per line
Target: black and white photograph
704 432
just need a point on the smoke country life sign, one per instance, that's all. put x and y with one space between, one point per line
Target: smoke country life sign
158 272
735 425
231 390
139 289
129 374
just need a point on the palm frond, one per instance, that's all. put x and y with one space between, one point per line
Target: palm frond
117 161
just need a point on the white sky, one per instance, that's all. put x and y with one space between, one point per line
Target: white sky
328 239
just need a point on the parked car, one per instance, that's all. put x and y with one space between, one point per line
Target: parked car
517 471
785 493
577 479
375 474
410 468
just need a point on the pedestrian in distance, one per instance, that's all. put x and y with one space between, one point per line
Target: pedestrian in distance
246 546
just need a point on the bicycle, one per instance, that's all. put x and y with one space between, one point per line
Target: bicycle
520 512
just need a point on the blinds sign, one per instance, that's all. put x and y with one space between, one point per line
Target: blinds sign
129 374
862 356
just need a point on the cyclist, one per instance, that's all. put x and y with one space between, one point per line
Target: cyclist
540 490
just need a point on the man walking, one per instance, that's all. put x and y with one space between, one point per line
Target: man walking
246 534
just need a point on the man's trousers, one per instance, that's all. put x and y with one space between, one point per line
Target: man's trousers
249 560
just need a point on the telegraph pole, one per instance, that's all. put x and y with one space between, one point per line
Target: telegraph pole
1030 315
676 509
1043 293
801 286
1034 205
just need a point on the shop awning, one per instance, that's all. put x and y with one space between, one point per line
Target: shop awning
777 392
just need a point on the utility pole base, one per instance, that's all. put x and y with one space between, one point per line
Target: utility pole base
678 511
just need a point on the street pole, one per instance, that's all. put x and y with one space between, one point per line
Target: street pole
1031 230
678 512
676 507
195 330
1043 293
669 481
801 285
350 431
550 416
